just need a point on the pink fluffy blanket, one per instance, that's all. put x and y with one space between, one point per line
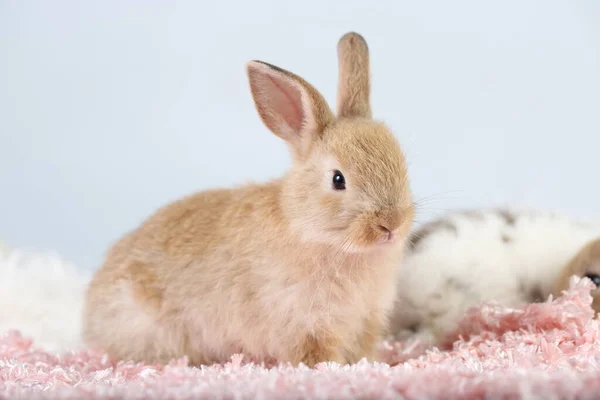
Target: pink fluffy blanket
544 351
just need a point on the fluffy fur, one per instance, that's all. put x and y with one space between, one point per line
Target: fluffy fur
291 269
586 263
42 295
468 257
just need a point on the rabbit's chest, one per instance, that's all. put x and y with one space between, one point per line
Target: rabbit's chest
333 295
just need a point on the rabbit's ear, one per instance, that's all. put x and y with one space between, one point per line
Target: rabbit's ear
289 106
354 85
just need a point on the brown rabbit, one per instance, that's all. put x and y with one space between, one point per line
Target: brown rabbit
586 263
300 269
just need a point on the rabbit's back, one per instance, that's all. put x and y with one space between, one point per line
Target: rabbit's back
182 254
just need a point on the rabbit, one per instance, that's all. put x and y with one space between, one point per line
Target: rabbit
299 270
586 263
470 256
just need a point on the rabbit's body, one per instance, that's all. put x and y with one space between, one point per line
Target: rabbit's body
301 269
254 278
465 258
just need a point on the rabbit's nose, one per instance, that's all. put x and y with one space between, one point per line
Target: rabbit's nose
389 220
385 230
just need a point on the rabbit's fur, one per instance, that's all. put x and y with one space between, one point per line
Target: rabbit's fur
586 263
291 270
467 257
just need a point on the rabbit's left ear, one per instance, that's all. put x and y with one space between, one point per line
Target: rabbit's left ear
289 106
354 85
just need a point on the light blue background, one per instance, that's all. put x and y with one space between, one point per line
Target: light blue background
109 109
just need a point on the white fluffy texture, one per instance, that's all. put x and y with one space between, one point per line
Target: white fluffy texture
42 295
453 269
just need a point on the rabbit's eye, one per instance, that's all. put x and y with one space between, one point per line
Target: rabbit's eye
594 278
339 182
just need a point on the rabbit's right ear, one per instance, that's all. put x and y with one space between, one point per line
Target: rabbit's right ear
354 82
289 106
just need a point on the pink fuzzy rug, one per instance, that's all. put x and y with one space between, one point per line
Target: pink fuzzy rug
540 351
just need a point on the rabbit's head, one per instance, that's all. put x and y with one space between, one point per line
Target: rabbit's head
348 185
586 263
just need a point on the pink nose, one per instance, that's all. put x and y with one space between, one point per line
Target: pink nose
386 230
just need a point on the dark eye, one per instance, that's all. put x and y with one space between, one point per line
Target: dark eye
339 182
594 278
